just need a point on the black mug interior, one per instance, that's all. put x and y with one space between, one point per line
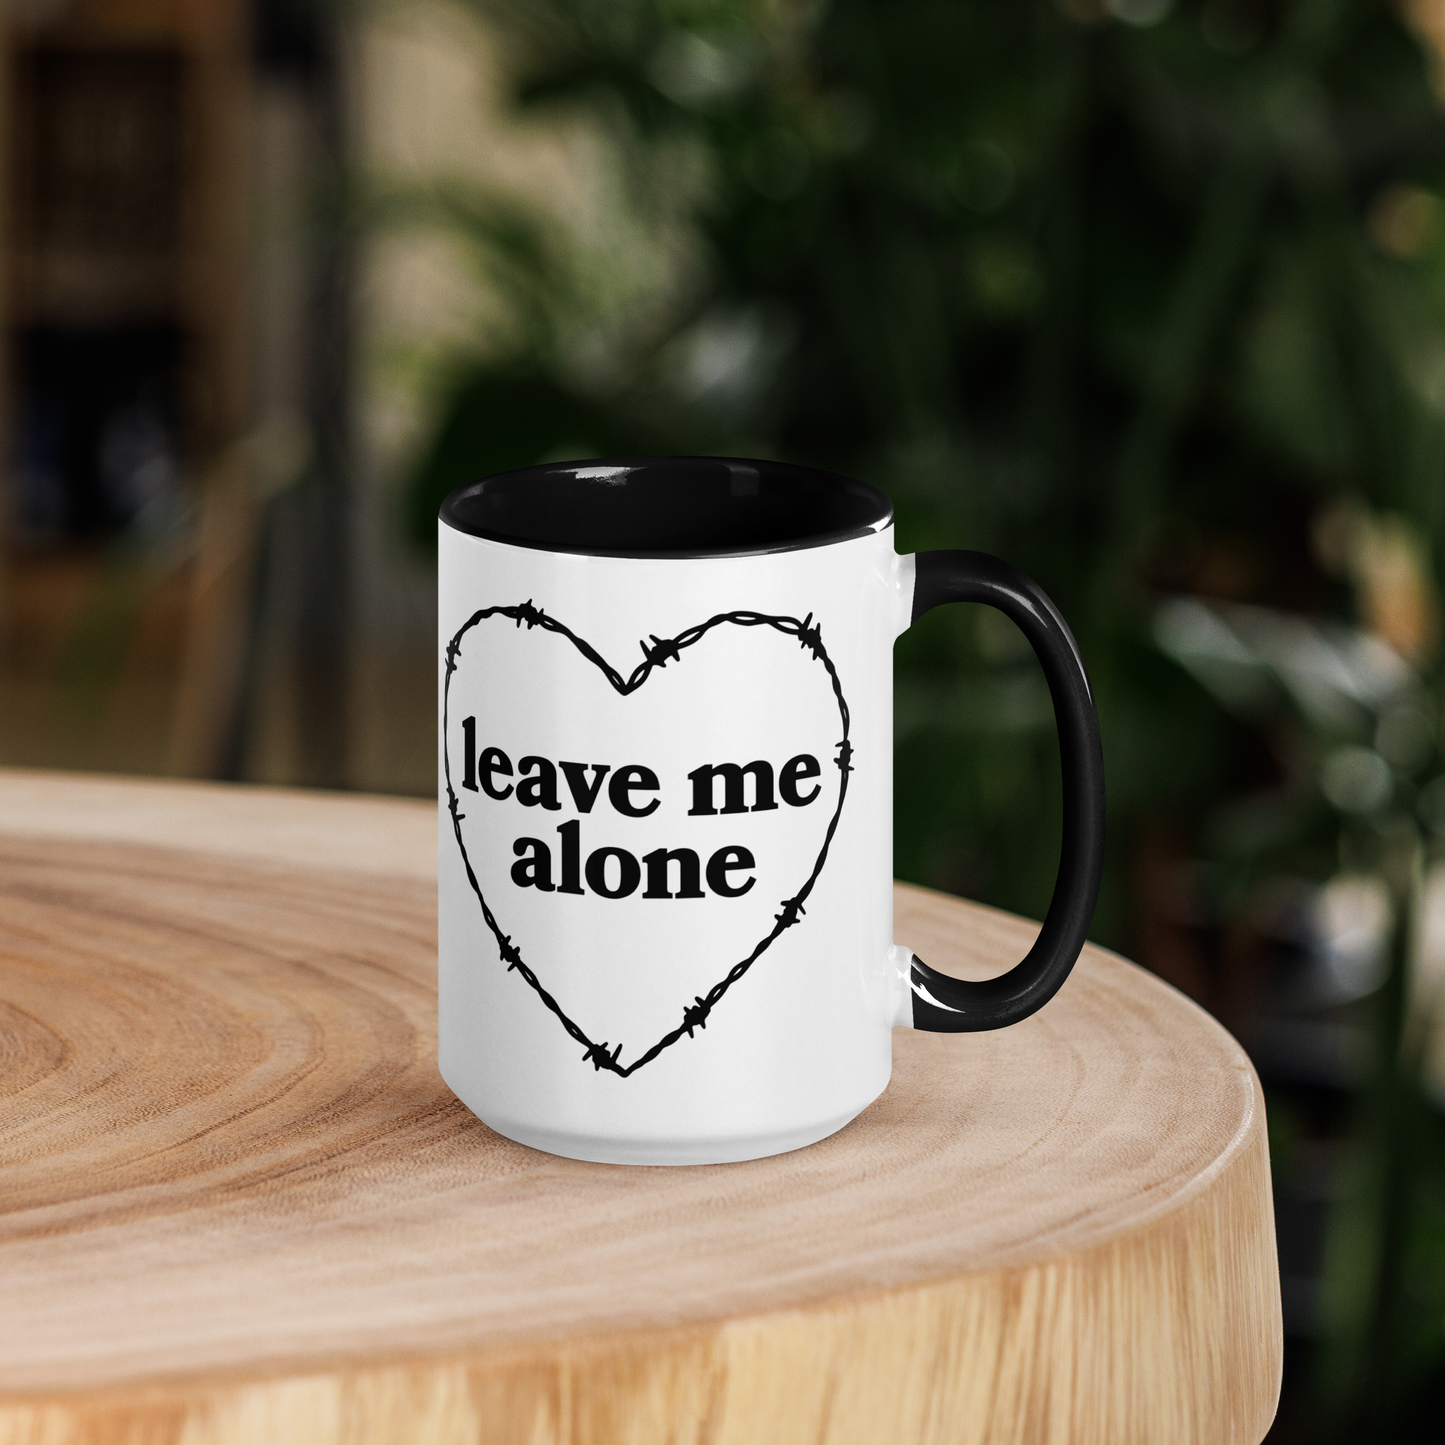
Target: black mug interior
668 507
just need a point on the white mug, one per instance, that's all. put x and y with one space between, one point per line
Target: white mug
665 889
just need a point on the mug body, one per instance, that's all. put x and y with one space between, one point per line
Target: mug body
666 824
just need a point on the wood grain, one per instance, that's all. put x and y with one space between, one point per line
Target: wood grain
237 1204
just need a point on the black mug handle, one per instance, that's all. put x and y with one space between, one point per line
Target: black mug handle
949 1005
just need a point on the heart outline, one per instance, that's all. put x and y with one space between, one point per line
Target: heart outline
694 1015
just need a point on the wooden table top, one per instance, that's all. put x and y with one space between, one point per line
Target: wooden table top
237 1203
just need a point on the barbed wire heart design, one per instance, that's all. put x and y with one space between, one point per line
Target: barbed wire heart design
603 1055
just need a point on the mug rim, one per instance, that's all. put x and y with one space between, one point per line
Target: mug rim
787 478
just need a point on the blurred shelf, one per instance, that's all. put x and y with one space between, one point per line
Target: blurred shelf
79 289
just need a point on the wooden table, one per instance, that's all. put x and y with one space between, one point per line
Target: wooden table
237 1204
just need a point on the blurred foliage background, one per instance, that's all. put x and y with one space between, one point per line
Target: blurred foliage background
1147 296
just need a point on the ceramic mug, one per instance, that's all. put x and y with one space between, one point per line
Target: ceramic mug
666 762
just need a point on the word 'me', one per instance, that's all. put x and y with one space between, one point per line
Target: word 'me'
612 872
